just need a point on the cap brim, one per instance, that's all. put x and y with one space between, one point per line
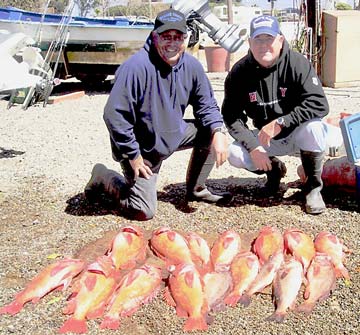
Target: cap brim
266 31
165 27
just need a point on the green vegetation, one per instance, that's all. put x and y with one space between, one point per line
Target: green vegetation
342 6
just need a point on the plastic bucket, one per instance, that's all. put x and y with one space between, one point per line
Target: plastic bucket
217 59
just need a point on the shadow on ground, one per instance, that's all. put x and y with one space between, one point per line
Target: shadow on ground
10 153
245 190
90 88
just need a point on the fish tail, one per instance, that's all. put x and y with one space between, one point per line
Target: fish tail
232 299
74 326
13 308
342 272
110 323
197 323
277 317
305 307
245 300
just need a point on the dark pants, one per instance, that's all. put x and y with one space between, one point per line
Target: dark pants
139 196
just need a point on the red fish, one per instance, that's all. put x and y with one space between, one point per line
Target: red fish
300 245
268 242
187 294
199 248
216 287
170 246
264 277
224 250
90 296
331 245
128 247
286 286
54 276
321 278
244 269
137 287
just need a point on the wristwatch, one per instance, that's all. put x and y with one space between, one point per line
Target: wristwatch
280 121
221 129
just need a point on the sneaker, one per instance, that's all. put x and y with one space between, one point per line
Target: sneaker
206 196
278 171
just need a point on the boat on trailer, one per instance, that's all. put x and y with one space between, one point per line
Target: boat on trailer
94 47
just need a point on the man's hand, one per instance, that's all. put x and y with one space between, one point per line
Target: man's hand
260 159
140 168
220 146
268 132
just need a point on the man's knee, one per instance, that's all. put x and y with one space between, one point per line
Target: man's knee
143 214
312 136
236 156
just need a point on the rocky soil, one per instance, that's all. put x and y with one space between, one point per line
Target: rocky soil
46 157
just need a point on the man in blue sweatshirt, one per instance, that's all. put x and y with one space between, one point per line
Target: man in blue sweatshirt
277 89
145 118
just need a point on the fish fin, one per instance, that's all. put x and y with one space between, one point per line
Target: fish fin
293 305
207 267
245 300
342 272
277 317
325 296
129 312
142 254
305 308
97 313
110 323
180 312
129 265
74 326
195 324
65 284
35 300
70 307
151 295
13 308
169 298
232 299
306 292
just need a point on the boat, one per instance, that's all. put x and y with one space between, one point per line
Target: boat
94 47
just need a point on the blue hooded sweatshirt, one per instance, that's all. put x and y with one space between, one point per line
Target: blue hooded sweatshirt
145 109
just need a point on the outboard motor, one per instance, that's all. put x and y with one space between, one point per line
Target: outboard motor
229 36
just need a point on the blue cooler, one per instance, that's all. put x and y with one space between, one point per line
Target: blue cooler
350 130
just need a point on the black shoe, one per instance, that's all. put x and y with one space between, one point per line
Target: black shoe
278 171
94 190
206 196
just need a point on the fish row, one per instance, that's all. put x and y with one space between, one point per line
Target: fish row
197 278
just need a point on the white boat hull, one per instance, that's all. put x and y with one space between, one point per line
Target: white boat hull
127 35
91 52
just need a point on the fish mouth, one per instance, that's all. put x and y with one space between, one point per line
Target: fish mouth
131 229
161 230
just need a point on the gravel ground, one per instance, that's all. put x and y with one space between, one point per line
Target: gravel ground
46 157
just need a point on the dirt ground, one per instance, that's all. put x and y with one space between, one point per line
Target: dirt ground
46 157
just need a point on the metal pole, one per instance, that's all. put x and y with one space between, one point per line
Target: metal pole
230 11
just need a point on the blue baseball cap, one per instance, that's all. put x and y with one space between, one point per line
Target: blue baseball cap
264 24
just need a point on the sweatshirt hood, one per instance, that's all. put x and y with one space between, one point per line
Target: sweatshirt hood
157 60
